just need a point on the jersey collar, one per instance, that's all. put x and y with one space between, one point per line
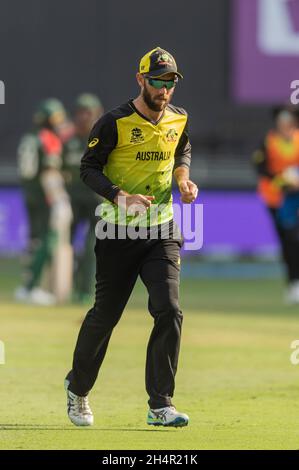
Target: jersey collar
143 116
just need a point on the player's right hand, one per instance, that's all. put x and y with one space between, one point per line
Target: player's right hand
133 203
188 190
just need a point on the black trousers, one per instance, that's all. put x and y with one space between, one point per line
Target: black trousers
119 262
289 242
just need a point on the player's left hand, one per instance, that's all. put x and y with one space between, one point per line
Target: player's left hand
188 191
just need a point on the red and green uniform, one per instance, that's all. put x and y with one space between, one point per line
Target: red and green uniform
84 204
38 152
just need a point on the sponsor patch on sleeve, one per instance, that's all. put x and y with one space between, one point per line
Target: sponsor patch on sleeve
93 142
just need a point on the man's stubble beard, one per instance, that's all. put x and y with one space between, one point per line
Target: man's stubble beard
151 103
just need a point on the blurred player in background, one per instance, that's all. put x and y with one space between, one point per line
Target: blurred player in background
277 164
88 109
46 200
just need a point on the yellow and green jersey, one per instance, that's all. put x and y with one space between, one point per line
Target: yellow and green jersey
128 151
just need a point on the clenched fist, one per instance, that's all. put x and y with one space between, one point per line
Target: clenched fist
188 191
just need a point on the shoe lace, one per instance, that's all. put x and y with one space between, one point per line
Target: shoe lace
84 405
163 413
80 404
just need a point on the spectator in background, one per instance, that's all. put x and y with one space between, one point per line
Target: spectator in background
277 164
88 109
47 202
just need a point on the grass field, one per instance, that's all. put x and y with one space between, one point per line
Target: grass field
235 379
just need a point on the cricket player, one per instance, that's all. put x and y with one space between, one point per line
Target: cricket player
132 153
88 109
277 165
47 203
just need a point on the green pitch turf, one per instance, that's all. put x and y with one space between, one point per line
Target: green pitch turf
235 379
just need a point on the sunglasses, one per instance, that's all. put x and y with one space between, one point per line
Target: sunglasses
158 83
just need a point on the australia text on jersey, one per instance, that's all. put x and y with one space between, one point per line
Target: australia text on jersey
153 155
2 92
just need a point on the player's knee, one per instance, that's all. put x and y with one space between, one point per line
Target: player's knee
104 317
169 309
170 304
173 310
171 318
164 298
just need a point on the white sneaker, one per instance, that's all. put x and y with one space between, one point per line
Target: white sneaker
21 294
35 296
167 416
292 294
78 409
39 296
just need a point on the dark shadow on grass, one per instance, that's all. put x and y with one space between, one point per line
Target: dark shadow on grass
41 427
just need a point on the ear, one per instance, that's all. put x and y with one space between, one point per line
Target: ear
140 79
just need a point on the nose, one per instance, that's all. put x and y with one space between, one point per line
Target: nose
163 91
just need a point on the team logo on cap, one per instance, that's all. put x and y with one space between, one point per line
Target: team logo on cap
136 136
171 135
164 59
